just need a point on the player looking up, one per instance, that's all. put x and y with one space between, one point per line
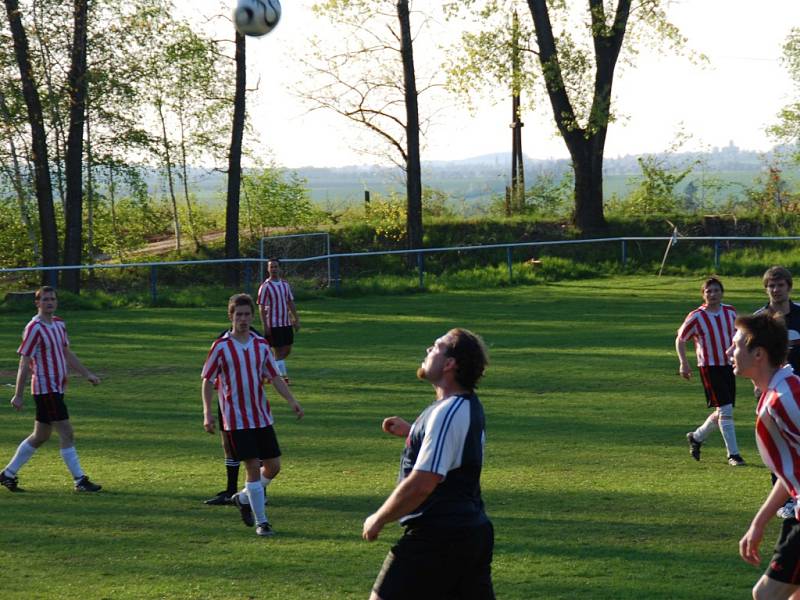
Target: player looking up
710 327
45 353
239 362
759 353
278 314
446 551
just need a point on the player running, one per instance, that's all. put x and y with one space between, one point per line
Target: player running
759 353
239 362
45 353
710 327
278 314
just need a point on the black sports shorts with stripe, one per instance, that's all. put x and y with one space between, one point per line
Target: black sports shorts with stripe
719 384
50 407
261 443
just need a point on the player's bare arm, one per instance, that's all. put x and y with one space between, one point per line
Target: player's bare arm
408 495
684 370
750 542
396 426
280 386
263 311
295 317
23 374
207 393
75 364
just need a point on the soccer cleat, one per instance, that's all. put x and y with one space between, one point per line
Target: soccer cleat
735 460
694 446
10 483
264 529
84 485
221 499
245 511
787 510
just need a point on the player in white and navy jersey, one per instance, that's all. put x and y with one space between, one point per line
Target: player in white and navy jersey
446 551
234 373
710 327
759 353
45 356
278 314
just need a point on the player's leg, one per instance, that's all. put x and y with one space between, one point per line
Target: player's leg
254 494
728 431
25 451
70 457
767 588
723 382
231 471
781 579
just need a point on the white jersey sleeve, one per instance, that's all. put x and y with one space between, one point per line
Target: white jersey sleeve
445 434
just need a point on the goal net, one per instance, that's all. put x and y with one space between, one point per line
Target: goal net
288 248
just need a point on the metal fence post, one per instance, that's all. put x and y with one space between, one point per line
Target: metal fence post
624 253
52 278
336 273
508 260
248 278
716 255
153 287
421 267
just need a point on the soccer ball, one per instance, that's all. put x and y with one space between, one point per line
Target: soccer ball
256 17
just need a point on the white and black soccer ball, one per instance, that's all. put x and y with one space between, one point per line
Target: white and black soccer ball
256 17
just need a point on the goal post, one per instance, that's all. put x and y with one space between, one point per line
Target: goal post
299 245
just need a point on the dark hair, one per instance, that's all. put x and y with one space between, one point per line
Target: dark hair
240 300
273 259
43 290
712 281
469 351
767 331
779 273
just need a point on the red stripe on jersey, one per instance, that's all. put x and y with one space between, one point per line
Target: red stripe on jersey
237 370
778 428
275 296
712 334
44 344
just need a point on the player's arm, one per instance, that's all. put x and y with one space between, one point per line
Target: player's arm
207 393
396 426
293 312
748 545
263 313
684 369
280 386
407 496
75 364
23 374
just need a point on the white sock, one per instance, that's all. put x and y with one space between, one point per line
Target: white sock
701 433
255 491
728 430
265 481
281 367
70 456
21 456
243 498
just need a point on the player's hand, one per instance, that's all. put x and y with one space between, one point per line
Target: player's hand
372 528
298 410
209 425
685 371
93 379
16 402
396 426
297 326
748 545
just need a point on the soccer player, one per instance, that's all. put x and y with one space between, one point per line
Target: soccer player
778 286
759 353
710 327
45 353
278 314
239 362
446 551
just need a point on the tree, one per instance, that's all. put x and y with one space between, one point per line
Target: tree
578 73
787 129
235 164
370 78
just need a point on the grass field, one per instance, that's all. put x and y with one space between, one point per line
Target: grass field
587 476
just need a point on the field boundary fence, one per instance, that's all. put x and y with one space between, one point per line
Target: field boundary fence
252 267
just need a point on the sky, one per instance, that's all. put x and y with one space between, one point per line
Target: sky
731 99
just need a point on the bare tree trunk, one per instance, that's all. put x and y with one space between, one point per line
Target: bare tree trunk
235 165
90 197
176 222
185 174
42 183
112 198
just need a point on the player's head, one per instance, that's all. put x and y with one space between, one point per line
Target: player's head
46 299
760 339
273 267
712 290
459 352
777 283
240 311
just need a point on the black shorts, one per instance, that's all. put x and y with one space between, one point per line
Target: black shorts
281 336
50 407
719 384
259 443
785 563
438 564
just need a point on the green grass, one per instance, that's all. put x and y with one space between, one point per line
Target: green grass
587 477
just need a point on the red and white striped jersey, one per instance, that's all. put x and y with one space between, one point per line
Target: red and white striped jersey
44 344
712 334
275 297
778 429
238 371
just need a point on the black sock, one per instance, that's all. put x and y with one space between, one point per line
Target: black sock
232 469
